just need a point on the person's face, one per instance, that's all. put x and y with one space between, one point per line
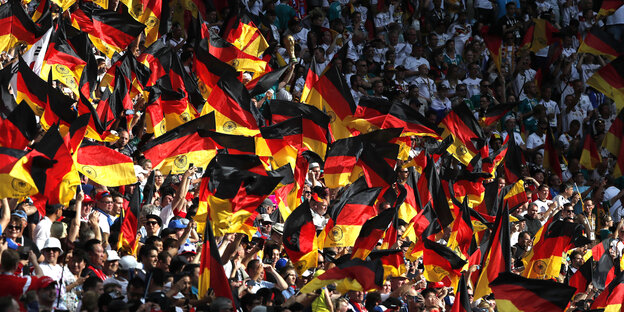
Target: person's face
291 277
532 212
135 293
99 288
387 288
150 260
111 266
461 91
51 255
124 138
164 265
543 193
76 266
166 200
47 294
524 240
320 207
430 300
378 88
152 227
266 227
357 296
569 191
589 205
317 172
15 229
106 204
577 262
98 255
117 205
186 284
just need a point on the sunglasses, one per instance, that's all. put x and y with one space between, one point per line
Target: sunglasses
14 227
152 223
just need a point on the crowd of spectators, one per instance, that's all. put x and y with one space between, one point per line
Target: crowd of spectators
428 54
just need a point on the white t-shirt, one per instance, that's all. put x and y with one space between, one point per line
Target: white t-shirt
551 108
472 86
166 214
534 140
42 232
543 205
412 63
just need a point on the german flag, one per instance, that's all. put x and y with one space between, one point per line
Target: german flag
590 158
600 42
377 164
551 155
230 54
610 299
208 68
58 109
490 164
544 260
467 134
155 122
516 293
19 128
230 196
153 14
612 141
354 274
424 225
50 168
211 272
311 78
128 235
430 190
43 8
370 114
372 231
462 299
412 122
262 83
331 94
245 36
515 196
98 128
441 263
514 160
493 42
110 31
608 80
583 276
342 156
608 7
62 62
18 26
178 79
14 187
173 151
231 104
105 166
315 123
539 35
231 144
300 241
412 205
497 256
347 216
175 107
151 58
281 141
462 231
496 113
30 88
605 270
392 261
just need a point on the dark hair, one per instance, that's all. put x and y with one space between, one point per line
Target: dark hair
163 255
169 242
159 277
10 258
79 256
152 239
145 251
52 209
90 283
90 244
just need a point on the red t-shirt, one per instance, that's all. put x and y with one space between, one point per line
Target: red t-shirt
16 286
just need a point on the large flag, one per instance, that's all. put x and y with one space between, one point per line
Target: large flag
174 151
281 142
600 42
516 293
497 256
515 196
371 232
551 160
608 7
62 62
514 161
154 14
129 233
300 241
610 299
605 270
30 88
19 128
468 137
462 232
441 263
231 104
544 260
13 187
262 83
612 139
412 122
539 35
245 36
392 261
353 274
17 25
230 54
462 299
110 31
341 158
332 95
583 276
609 81
211 272
208 68
424 225
430 190
348 214
311 78
105 166
315 123
494 43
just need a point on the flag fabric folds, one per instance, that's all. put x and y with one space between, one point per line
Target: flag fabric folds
299 239
609 81
516 293
211 272
353 274
105 166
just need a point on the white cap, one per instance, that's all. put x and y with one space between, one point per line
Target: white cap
187 248
265 218
112 255
128 263
52 243
314 165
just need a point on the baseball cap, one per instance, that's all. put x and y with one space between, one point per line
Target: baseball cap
187 248
52 243
87 199
176 224
265 218
281 263
314 165
101 195
43 282
392 303
127 263
112 255
20 213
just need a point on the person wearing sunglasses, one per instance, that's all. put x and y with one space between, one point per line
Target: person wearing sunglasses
15 231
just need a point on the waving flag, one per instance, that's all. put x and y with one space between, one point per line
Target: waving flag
516 293
300 241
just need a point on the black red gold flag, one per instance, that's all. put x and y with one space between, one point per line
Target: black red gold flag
497 256
16 26
608 7
412 122
211 272
516 293
341 159
552 159
539 35
515 195
392 261
300 241
128 235
30 88
264 82
208 68
105 166
583 276
612 139
468 137
14 187
311 78
430 190
441 263
610 299
462 299
608 80
600 42
245 36
19 128
230 54
372 231
495 113
354 274
514 161
606 269
281 141
462 232
590 158
493 42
